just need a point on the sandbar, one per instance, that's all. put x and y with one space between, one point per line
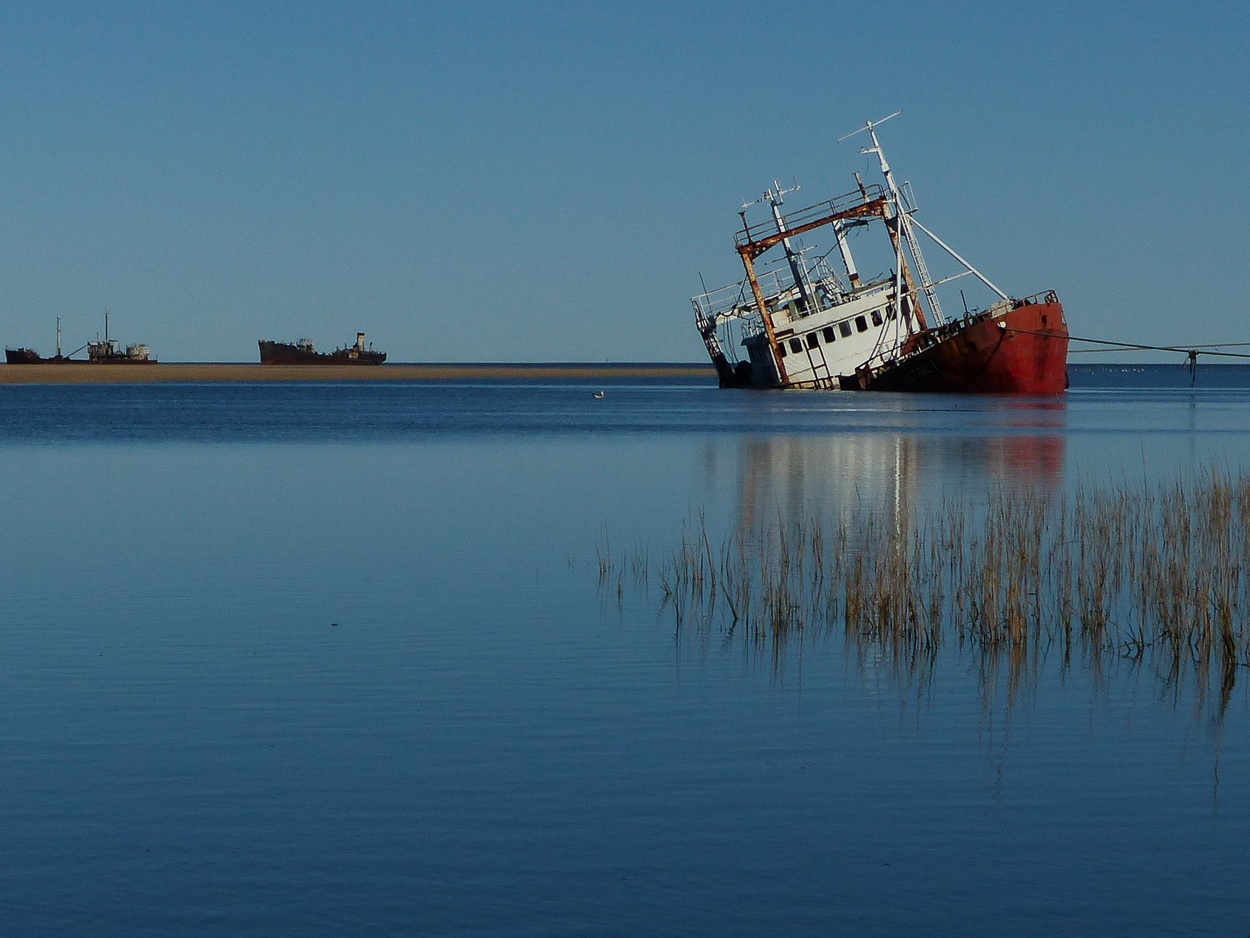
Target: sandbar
194 372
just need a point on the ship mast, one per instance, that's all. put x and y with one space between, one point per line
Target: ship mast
774 198
903 215
907 224
848 261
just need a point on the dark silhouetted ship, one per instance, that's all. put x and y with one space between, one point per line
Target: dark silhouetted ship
304 353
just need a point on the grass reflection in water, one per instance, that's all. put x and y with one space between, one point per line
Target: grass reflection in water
1146 572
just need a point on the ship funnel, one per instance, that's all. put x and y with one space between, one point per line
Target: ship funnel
360 341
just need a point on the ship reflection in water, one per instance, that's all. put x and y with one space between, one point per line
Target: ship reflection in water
816 474
798 476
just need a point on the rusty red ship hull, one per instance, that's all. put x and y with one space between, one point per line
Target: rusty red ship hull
1021 350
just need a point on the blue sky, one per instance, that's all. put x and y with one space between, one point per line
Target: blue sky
547 181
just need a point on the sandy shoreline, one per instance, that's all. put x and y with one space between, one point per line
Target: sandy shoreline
85 373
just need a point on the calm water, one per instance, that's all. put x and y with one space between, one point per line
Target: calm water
333 660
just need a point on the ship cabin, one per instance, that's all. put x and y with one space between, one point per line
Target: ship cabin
801 323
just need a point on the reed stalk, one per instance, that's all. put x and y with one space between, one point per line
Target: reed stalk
1124 568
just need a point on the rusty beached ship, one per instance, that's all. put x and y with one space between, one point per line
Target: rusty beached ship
304 352
805 324
106 351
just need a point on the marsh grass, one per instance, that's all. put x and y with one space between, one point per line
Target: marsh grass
1137 570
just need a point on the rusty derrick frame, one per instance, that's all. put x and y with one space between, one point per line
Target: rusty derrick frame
753 248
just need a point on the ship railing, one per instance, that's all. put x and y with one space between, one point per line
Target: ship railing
804 216
736 300
1046 296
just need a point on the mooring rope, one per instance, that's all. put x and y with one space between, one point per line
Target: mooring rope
1192 351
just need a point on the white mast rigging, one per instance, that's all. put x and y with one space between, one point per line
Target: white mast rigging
902 212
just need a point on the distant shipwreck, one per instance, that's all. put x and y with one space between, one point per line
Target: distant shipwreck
106 351
304 353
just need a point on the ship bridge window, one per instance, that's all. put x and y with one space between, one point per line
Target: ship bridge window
876 317
861 324
829 334
781 350
844 328
796 344
812 340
